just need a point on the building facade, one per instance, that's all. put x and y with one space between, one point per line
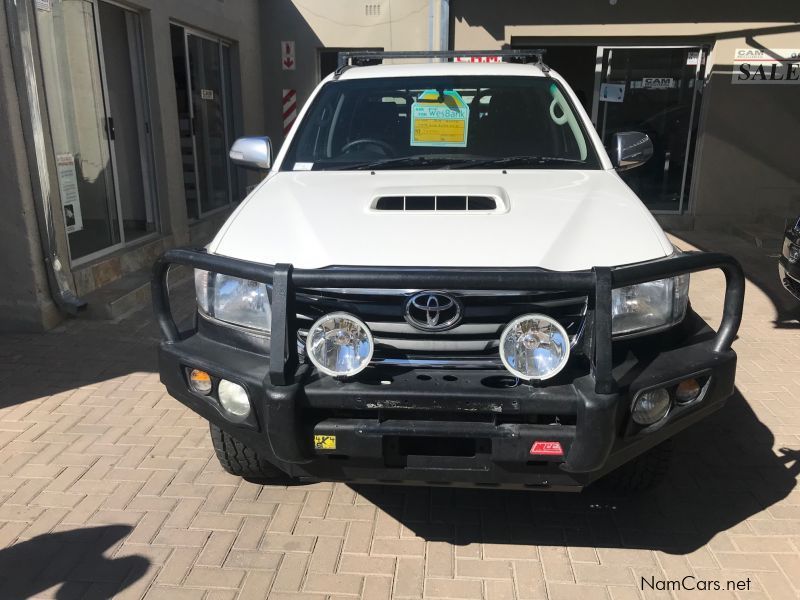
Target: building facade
117 120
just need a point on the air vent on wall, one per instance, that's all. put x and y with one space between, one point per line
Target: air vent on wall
438 203
372 10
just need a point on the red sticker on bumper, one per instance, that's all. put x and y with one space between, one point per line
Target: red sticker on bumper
547 449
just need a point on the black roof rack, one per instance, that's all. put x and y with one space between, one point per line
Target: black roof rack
361 57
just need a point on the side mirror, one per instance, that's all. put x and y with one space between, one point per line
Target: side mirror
630 149
252 153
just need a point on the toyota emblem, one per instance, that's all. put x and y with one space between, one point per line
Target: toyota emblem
433 311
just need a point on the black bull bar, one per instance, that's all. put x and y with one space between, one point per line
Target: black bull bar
597 283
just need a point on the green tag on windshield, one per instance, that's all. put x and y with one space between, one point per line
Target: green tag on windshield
439 119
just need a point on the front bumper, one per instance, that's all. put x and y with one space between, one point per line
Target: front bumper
464 427
789 271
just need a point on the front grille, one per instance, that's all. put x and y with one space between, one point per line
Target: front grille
474 342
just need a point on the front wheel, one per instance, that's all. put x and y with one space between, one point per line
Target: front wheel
238 459
645 472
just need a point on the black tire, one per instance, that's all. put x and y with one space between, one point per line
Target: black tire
645 472
238 459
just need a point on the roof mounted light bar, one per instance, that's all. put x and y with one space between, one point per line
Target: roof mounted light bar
352 59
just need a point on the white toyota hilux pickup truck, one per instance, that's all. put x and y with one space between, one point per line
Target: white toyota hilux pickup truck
443 280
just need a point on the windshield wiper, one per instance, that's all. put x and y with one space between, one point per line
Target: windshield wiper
522 159
400 161
453 162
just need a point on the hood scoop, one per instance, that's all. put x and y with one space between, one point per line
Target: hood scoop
441 203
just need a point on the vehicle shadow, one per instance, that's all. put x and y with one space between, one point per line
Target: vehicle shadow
74 559
725 472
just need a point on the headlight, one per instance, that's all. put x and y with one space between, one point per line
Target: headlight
339 345
647 306
233 300
791 251
534 347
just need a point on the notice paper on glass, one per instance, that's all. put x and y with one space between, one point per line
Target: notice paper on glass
612 92
68 186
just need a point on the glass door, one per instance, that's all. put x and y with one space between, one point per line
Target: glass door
129 118
99 123
202 68
78 122
656 91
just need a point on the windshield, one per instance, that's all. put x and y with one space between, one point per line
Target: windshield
441 123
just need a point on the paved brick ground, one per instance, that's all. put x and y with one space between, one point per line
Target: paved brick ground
108 486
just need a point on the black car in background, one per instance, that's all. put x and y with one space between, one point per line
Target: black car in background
789 262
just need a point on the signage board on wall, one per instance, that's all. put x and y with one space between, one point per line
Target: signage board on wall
769 66
287 56
658 83
46 5
70 197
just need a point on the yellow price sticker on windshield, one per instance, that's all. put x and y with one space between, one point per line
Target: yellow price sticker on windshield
325 442
439 119
447 131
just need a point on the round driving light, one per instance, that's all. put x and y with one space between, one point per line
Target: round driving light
339 345
687 391
233 399
200 381
534 347
651 406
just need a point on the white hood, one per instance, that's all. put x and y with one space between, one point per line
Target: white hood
556 219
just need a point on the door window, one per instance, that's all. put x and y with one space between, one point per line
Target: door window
655 91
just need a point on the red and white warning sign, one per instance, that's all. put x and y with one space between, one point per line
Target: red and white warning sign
289 109
287 56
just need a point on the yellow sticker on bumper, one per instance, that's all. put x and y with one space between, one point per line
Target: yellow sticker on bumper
325 442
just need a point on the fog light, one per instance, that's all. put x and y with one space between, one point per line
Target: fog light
233 399
534 347
200 381
339 345
687 391
651 406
